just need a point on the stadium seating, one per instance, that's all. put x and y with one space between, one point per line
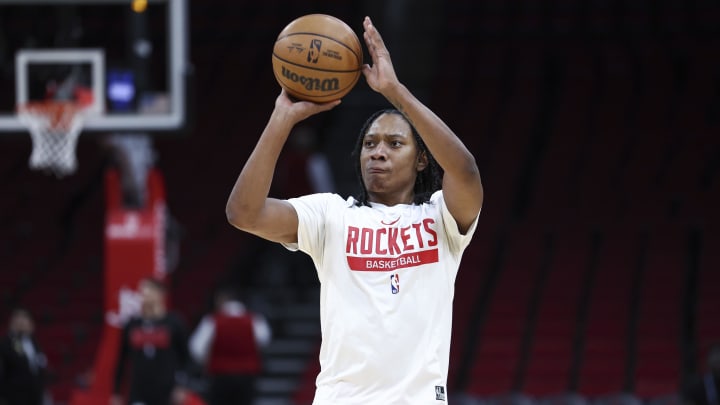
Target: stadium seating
498 350
658 334
550 357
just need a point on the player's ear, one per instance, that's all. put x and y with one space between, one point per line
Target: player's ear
422 161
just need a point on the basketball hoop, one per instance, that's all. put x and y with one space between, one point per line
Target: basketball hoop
54 128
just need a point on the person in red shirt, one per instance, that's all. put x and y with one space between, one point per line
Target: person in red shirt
228 342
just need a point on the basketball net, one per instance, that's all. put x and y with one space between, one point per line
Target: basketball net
54 128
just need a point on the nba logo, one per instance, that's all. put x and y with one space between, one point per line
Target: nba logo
439 393
395 283
314 51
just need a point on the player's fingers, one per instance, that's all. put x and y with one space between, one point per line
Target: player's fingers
371 48
377 52
316 108
367 72
371 40
376 46
374 34
331 104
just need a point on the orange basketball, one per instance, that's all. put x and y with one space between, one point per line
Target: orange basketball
317 58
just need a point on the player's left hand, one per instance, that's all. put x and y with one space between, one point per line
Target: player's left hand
380 76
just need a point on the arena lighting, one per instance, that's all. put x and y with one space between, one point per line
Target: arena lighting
139 6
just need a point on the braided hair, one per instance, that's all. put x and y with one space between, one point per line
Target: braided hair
427 181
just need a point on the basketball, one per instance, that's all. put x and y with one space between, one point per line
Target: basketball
317 58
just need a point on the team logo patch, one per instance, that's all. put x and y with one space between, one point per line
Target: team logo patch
395 283
439 393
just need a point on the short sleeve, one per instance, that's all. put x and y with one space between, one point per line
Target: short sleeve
312 212
458 241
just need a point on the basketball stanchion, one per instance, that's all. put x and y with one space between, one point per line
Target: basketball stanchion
54 128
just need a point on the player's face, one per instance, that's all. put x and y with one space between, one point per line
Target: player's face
150 295
22 323
390 160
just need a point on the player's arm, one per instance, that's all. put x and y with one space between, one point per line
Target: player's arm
462 187
249 208
199 344
261 330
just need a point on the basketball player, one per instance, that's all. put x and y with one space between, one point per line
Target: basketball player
386 260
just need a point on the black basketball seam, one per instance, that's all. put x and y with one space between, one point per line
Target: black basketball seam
315 68
358 57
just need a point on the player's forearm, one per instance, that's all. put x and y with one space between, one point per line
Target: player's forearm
448 150
461 182
250 192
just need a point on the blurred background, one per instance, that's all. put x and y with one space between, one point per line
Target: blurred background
593 275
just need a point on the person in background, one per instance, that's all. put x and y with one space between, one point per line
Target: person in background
227 343
22 363
155 343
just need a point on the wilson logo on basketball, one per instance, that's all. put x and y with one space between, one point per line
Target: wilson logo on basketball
311 83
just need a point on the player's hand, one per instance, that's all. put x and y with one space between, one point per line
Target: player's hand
380 76
296 111
116 400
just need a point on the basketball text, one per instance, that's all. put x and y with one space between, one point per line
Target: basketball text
312 83
391 241
389 249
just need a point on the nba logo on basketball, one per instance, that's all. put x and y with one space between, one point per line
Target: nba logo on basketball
314 51
395 283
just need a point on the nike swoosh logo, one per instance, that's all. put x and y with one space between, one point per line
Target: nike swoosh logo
390 223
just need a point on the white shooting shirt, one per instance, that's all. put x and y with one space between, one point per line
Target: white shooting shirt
387 279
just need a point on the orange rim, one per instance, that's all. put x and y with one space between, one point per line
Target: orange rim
60 113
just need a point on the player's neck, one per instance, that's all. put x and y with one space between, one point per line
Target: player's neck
392 199
154 312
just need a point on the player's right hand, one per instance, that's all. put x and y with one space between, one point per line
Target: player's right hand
296 111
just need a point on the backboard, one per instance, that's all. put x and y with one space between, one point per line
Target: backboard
130 55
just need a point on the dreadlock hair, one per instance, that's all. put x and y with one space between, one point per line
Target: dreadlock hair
427 181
